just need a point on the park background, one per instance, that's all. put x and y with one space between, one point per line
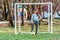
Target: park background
7 24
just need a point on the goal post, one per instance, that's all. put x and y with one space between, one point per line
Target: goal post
50 23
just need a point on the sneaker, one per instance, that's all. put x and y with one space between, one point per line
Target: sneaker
33 33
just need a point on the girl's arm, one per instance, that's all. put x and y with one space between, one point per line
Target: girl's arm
32 18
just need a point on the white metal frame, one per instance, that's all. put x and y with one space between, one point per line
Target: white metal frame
50 28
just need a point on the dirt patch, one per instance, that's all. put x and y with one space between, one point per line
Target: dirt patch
4 25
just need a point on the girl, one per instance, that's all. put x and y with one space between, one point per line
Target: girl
34 20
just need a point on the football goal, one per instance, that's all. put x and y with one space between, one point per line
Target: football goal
17 18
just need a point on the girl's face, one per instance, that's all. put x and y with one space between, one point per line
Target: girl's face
36 11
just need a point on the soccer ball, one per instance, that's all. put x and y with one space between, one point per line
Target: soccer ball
33 33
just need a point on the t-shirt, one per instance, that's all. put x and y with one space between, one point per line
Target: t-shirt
34 17
20 13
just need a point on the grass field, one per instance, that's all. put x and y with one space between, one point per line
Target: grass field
8 33
9 36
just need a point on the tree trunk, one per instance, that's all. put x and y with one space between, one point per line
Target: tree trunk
9 11
40 9
22 14
54 9
4 12
28 12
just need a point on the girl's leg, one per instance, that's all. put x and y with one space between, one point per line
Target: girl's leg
32 27
36 24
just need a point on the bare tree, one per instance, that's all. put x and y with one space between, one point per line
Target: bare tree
9 11
4 11
22 13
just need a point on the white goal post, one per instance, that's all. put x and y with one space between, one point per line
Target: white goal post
50 26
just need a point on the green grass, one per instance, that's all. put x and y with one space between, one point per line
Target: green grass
8 33
9 36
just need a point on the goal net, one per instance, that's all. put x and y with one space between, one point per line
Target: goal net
46 25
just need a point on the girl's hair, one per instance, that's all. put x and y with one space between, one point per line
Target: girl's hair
19 0
35 8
